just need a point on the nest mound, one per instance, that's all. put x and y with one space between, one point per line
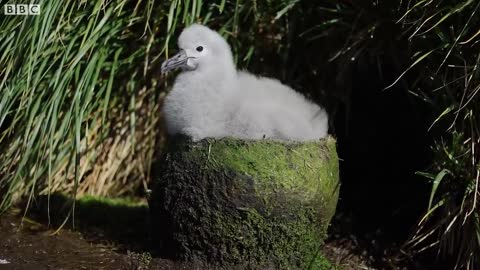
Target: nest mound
246 204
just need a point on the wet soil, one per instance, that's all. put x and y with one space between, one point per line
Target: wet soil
28 244
107 240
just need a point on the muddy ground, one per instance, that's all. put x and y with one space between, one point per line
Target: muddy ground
107 239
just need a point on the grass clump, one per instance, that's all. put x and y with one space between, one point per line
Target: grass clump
434 47
444 36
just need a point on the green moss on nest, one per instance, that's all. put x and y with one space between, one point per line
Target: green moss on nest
249 204
310 168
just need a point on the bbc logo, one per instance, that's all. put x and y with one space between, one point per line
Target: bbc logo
22 9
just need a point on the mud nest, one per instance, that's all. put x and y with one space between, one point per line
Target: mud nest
245 204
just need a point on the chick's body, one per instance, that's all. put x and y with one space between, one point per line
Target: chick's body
210 98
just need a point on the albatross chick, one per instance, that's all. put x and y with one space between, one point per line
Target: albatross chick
211 98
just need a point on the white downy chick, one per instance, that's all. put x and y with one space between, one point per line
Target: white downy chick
210 98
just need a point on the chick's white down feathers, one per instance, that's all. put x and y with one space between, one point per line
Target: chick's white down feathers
210 98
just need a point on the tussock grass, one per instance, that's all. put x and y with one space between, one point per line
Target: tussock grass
441 40
69 83
447 35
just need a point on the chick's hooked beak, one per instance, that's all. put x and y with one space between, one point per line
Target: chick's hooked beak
179 60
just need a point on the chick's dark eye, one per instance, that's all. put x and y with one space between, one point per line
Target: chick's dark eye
199 49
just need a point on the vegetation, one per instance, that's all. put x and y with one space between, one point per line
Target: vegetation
444 41
79 108
440 39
